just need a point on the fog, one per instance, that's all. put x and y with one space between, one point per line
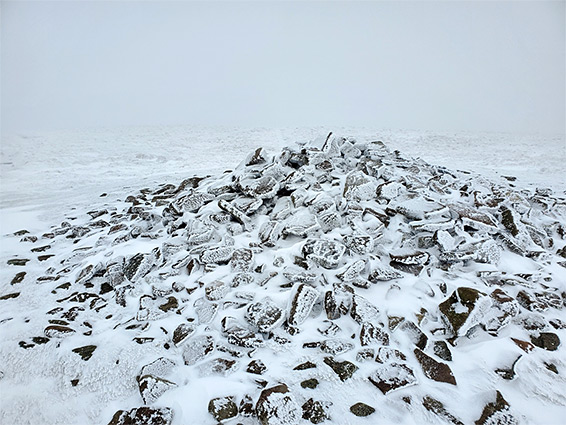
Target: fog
442 66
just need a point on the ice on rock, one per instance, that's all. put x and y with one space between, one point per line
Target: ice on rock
362 310
302 304
359 186
392 376
265 315
197 348
152 387
217 255
326 253
277 406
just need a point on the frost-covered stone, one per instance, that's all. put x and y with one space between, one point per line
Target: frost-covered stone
302 304
242 260
392 376
362 310
265 315
325 253
216 290
336 346
143 416
359 186
223 408
371 334
205 310
197 348
152 387
277 406
182 332
269 233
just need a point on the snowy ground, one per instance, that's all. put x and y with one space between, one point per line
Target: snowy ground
49 178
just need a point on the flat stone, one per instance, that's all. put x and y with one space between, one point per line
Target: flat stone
265 315
85 352
362 409
392 376
434 370
198 348
302 304
152 387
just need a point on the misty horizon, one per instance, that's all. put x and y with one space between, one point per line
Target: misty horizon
436 66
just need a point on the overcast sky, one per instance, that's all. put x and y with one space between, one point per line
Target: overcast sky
444 66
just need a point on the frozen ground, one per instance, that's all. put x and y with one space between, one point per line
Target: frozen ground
51 178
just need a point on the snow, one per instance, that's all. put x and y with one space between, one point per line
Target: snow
50 178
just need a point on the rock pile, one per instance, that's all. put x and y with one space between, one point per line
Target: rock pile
340 262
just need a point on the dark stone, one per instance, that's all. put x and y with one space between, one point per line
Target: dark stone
223 408
41 248
182 332
463 298
74 382
435 406
257 367
304 366
434 370
40 340
371 334
171 304
315 411
45 257
497 412
344 369
310 383
85 352
18 278
508 373
508 221
547 340
9 296
277 406
361 409
246 406
57 331
17 262
143 416
441 350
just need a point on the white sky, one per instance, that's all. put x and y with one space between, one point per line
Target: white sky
445 66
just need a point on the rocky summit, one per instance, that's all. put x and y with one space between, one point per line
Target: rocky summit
326 283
